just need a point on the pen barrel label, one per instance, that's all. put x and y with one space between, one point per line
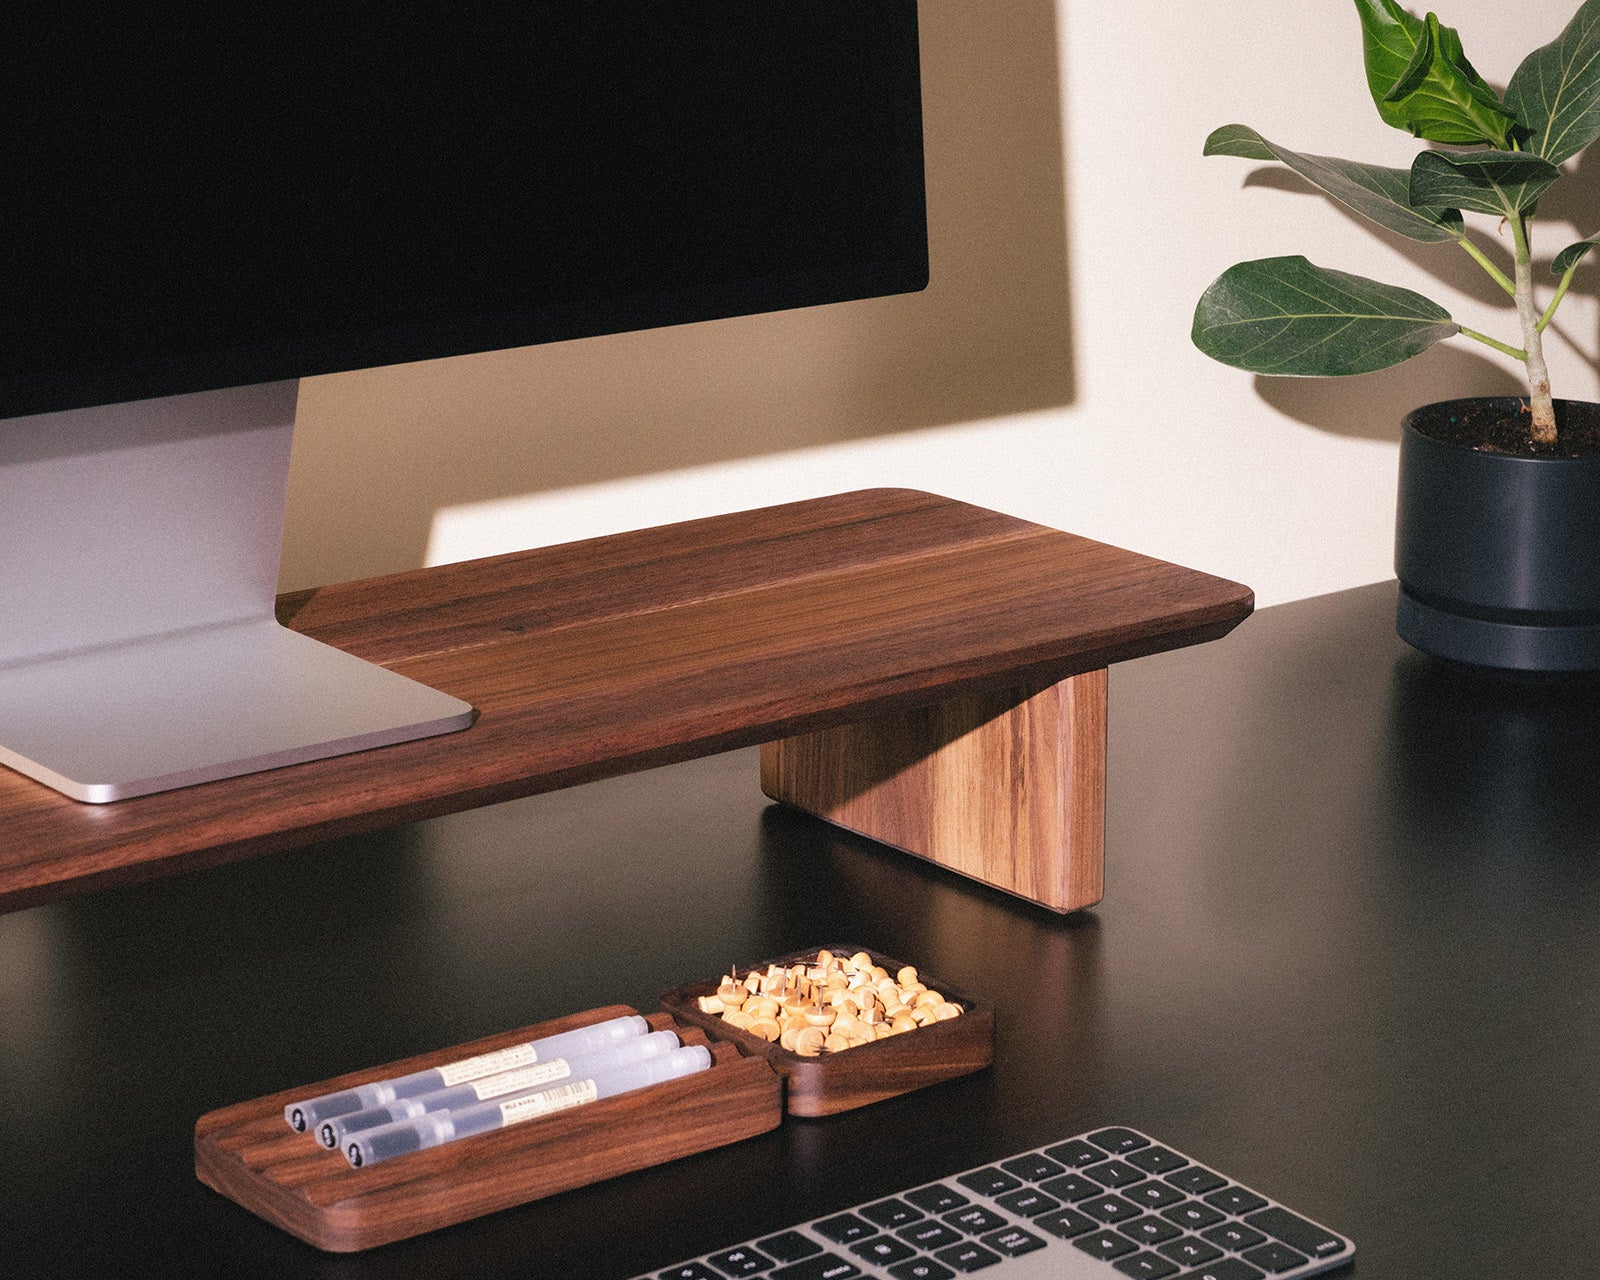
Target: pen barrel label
488 1064
526 1078
541 1104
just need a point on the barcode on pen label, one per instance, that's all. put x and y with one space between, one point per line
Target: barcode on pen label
524 1078
488 1064
558 1099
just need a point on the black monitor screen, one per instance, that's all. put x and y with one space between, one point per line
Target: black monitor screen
210 202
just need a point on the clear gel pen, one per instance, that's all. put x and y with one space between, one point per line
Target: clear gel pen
334 1132
437 1127
305 1114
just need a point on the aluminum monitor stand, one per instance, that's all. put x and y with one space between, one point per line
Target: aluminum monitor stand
139 651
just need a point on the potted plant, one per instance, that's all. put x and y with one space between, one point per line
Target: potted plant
1498 523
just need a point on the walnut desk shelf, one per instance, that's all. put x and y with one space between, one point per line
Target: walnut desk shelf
923 671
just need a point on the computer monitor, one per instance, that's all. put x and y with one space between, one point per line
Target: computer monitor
202 211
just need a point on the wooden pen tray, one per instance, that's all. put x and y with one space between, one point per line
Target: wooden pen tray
866 1073
251 1156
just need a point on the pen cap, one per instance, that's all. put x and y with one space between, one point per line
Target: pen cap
570 1044
332 1133
304 1115
653 1045
638 1075
397 1139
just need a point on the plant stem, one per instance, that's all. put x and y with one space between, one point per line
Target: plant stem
1561 292
1539 400
1482 259
1516 353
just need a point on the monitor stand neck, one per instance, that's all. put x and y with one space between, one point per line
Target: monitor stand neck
139 650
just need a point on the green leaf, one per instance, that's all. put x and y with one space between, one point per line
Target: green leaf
1286 316
1503 183
1556 91
1572 255
1239 140
1421 81
1371 190
1416 71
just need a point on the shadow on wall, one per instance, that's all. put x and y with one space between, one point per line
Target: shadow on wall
1573 202
1370 406
378 452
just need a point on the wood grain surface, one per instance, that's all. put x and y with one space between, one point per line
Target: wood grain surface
599 657
1006 787
249 1154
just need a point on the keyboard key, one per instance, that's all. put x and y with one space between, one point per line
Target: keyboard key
1065 1223
1146 1264
1234 1200
825 1266
691 1271
968 1256
1075 1154
920 1269
1110 1209
1114 1173
1152 1194
1295 1232
883 1250
1033 1167
1195 1180
890 1214
1273 1256
1157 1160
1013 1241
1118 1141
1233 1235
1190 1251
1027 1203
845 1228
1192 1215
975 1219
937 1198
1071 1187
789 1246
929 1235
1105 1244
1227 1269
989 1181
741 1262
1150 1231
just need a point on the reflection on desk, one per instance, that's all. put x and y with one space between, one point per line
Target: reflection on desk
1347 952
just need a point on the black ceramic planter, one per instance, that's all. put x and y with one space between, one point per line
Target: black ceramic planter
1498 557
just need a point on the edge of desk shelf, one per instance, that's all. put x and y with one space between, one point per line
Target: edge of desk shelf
614 654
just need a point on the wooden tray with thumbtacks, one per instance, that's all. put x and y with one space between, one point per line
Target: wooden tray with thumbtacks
867 1073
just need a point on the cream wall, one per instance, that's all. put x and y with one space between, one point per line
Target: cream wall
1046 371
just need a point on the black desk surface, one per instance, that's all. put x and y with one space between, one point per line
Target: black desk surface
1349 953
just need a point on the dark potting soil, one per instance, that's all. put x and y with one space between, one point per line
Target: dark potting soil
1501 426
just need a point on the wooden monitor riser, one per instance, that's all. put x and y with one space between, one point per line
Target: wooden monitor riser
926 672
